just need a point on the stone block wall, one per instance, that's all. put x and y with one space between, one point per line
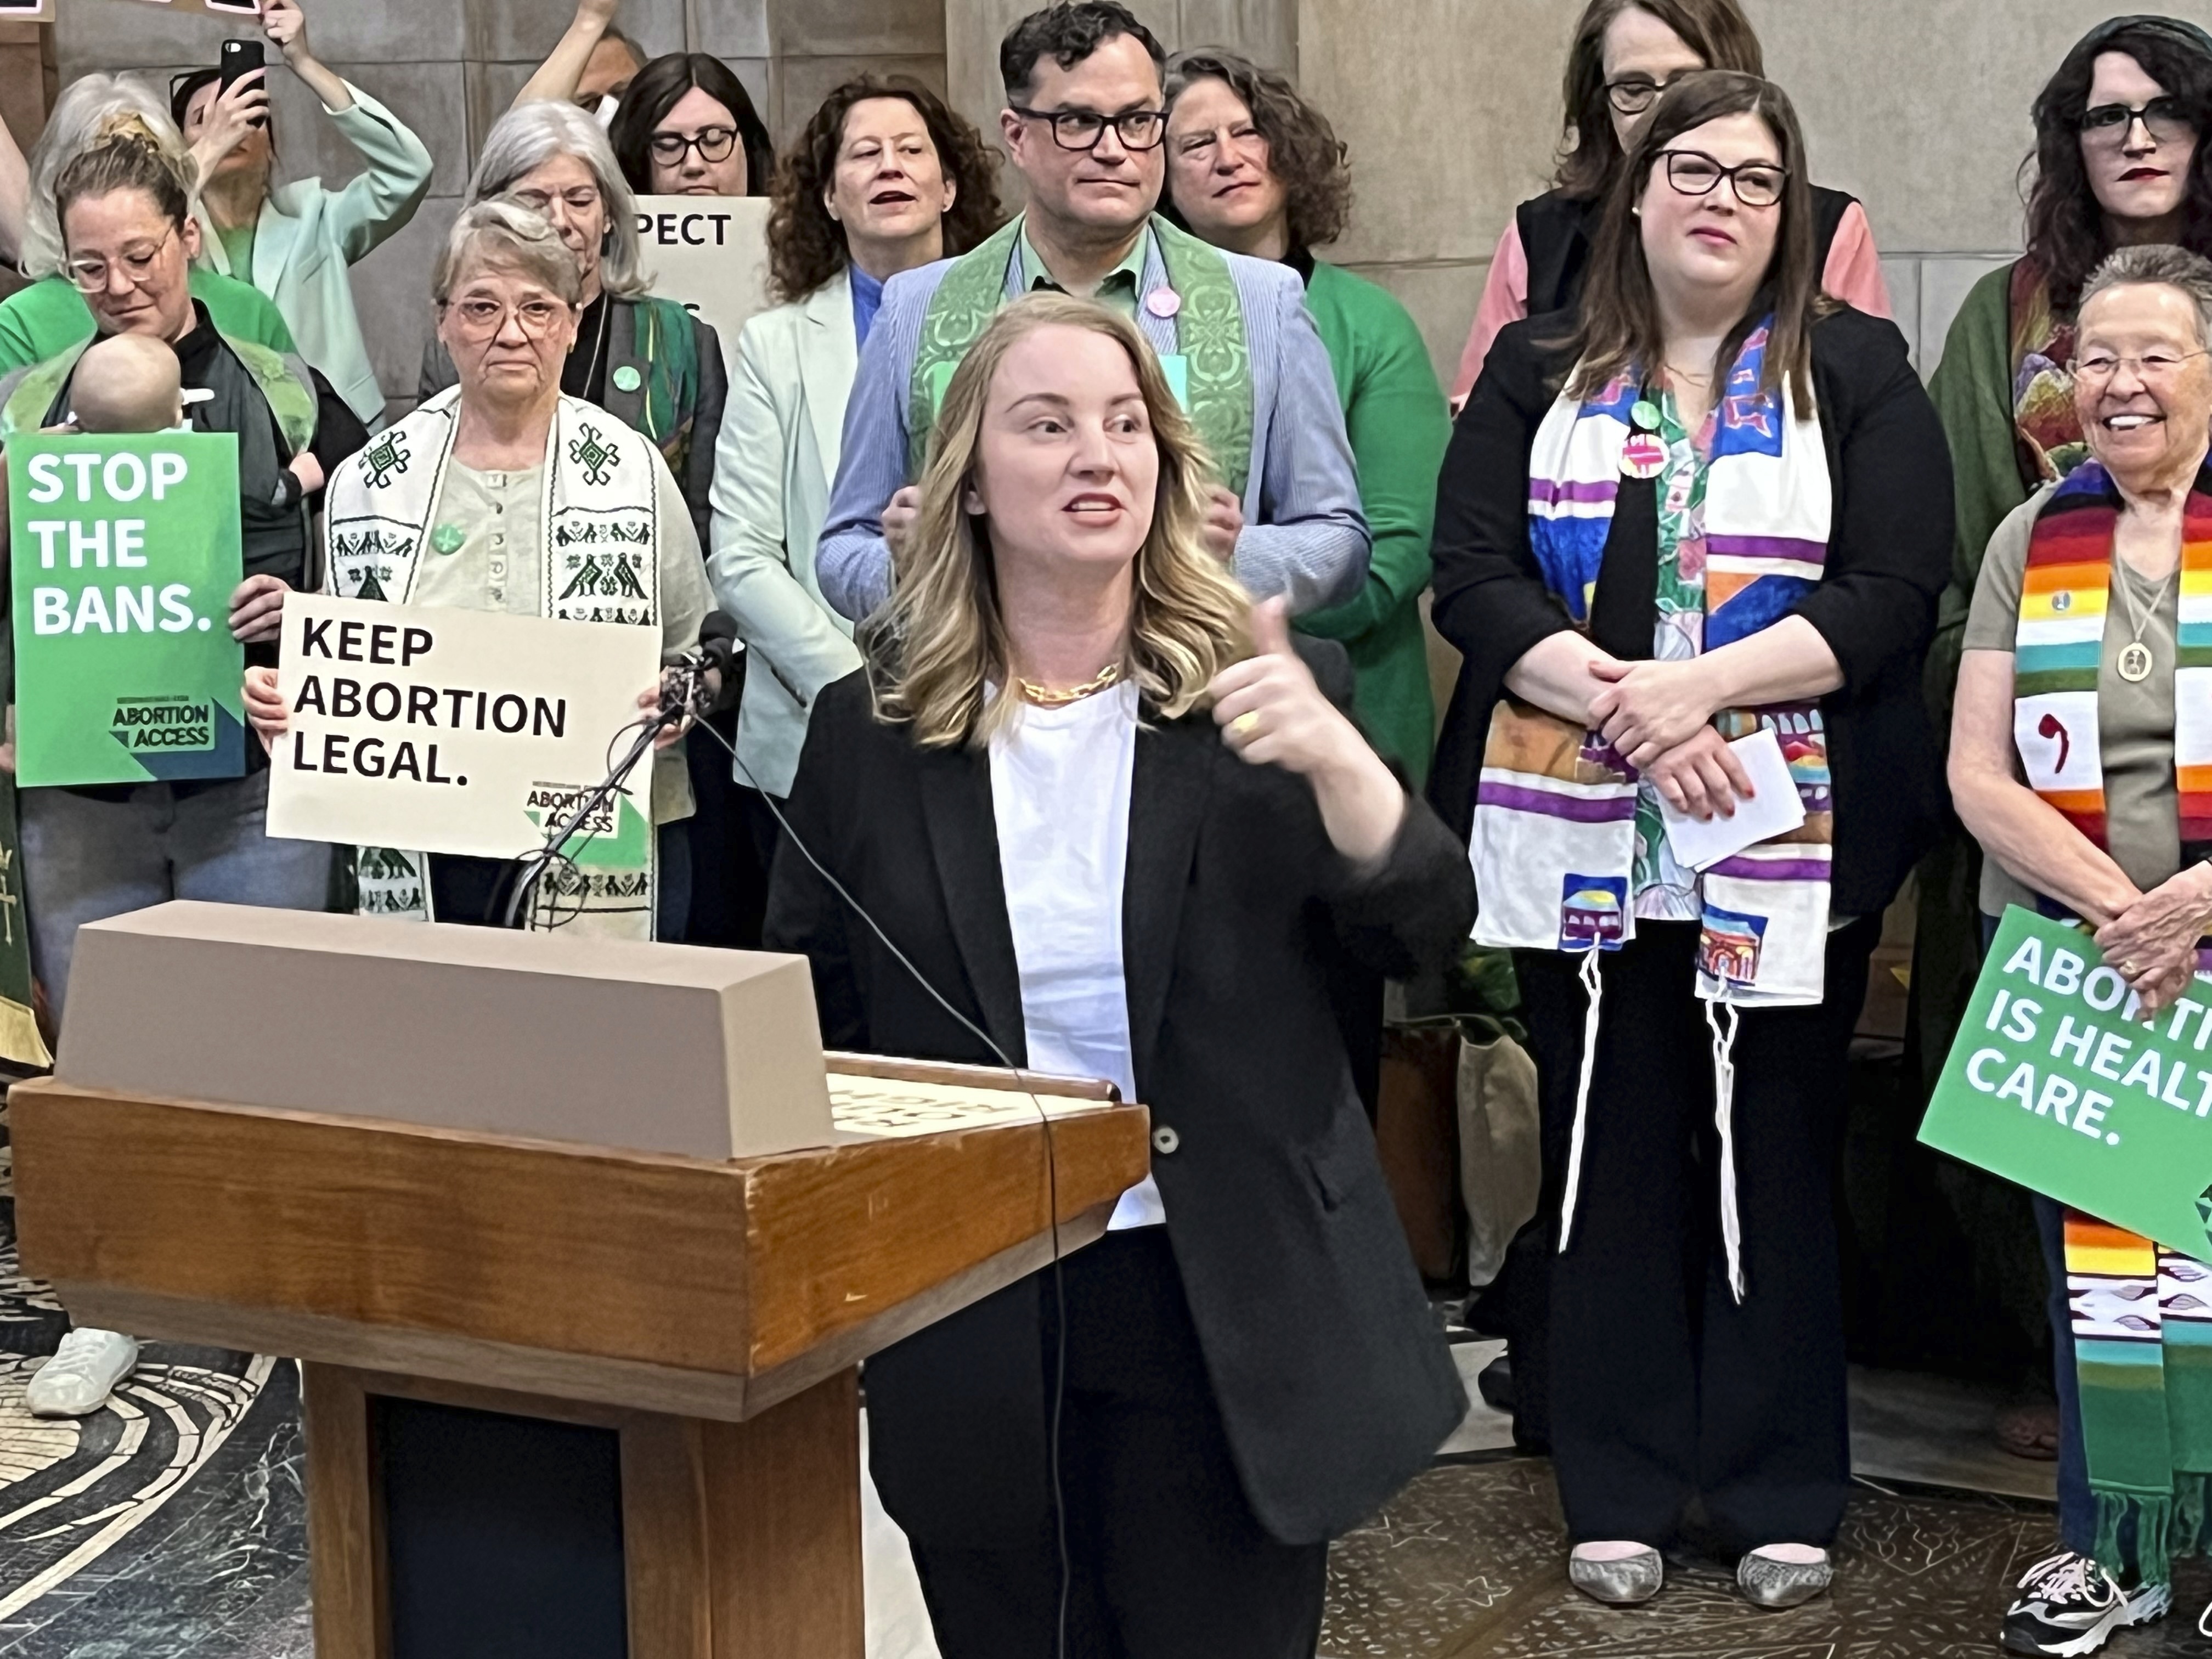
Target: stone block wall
1919 107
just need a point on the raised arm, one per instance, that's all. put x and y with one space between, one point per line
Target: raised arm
556 77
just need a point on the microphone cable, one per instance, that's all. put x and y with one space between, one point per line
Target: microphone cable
1051 1155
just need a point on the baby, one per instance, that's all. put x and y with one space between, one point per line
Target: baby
126 383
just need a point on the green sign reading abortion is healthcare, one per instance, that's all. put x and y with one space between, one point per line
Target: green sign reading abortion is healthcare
2058 1082
124 551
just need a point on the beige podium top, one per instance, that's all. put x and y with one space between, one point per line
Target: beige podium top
697 1287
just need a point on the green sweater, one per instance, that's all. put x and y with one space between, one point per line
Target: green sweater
1393 410
49 317
1972 390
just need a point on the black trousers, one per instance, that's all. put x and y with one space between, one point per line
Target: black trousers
1168 1559
1663 1390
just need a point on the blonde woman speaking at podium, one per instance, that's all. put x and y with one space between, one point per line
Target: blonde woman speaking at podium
1110 814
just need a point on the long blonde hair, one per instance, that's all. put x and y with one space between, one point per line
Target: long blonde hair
934 649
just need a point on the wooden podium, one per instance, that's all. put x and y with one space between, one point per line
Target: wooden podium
561 1400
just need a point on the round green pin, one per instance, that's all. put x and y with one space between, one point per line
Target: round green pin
448 538
1646 415
627 379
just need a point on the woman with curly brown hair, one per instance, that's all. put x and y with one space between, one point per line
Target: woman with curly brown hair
884 177
1255 168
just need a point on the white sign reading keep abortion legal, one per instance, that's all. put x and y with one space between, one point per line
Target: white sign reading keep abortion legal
440 730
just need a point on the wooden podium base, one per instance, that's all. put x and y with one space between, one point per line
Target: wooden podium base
447 1519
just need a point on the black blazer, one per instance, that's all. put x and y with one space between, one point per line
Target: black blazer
1888 558
1335 1383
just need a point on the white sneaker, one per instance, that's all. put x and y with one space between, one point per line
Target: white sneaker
84 1372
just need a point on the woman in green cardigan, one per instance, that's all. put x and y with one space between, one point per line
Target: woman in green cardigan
1254 168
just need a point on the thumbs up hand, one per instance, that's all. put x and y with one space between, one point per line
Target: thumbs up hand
1272 713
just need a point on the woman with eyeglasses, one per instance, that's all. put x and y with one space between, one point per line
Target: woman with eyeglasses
297 242
646 362
2119 159
530 503
2077 715
50 316
1625 53
1712 506
686 127
128 241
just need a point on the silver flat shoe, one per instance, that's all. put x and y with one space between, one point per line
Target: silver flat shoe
1623 1583
1775 1585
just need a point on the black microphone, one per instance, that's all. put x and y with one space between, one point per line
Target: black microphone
719 647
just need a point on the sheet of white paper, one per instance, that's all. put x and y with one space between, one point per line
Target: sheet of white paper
1773 808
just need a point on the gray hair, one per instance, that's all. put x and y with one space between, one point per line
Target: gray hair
2158 264
85 105
530 135
504 232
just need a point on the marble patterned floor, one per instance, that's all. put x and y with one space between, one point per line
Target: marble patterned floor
171 1525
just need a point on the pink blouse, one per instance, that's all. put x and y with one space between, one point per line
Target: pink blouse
1853 274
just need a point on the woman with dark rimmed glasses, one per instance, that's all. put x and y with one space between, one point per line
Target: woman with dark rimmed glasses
687 127
1709 505
1625 53
2120 161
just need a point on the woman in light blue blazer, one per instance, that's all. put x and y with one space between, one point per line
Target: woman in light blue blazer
883 178
295 242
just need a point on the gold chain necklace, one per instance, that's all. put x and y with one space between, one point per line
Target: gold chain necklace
1045 697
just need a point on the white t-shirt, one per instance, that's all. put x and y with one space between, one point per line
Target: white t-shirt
1059 793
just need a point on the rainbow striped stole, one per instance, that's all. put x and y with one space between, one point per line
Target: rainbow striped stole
2059 645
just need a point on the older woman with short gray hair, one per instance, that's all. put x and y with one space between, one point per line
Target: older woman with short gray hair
646 362
2083 719
502 493
654 366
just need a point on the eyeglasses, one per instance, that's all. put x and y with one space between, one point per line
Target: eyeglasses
1633 94
2166 119
90 276
2097 371
584 198
1693 172
484 319
712 144
1082 128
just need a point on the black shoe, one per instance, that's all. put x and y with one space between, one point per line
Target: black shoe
1494 1382
2069 1606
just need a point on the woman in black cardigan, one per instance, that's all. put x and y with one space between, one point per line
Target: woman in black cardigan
1149 872
1778 492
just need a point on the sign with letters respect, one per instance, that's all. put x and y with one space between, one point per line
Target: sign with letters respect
441 729
709 254
124 552
2057 1081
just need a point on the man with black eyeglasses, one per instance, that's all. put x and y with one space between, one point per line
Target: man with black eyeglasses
1083 123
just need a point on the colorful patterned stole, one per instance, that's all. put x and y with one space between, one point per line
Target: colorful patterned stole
2060 643
2142 1352
2142 1314
1554 839
1209 326
599 562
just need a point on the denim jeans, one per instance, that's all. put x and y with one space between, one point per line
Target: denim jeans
87 859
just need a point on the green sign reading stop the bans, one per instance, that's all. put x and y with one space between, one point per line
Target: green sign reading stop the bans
123 554
2057 1081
